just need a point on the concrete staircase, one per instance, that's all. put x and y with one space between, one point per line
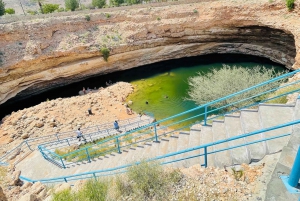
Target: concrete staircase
276 191
35 167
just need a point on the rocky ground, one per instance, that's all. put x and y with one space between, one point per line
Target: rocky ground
59 115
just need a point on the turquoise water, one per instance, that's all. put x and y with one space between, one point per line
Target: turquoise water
165 91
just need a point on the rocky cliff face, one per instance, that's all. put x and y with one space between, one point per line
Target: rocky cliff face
40 54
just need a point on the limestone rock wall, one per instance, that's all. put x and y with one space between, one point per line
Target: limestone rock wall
36 55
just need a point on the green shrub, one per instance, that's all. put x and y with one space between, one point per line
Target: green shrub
50 8
282 99
149 180
88 18
116 2
65 195
238 174
195 11
71 4
131 2
146 181
32 12
158 18
105 53
98 3
107 15
10 11
60 10
290 4
2 8
216 84
94 190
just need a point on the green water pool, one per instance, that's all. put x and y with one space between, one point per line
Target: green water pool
165 91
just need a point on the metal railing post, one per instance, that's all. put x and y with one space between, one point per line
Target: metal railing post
90 137
155 132
88 155
57 137
205 157
118 144
68 142
62 162
28 145
205 115
295 172
95 176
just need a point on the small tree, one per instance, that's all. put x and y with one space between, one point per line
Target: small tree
50 8
290 4
2 8
105 53
227 80
116 2
10 11
130 2
98 3
71 4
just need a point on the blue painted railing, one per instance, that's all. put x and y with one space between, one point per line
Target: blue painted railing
154 131
204 154
291 182
92 132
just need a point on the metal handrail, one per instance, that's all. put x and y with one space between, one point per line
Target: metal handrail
205 146
31 141
205 113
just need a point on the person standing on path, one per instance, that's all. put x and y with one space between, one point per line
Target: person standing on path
116 125
80 135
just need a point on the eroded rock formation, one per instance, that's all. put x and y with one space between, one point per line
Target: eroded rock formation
43 53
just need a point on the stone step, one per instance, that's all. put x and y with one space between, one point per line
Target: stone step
154 149
233 128
294 141
147 152
137 154
172 147
182 143
194 140
272 115
250 122
206 136
115 160
222 158
276 190
163 147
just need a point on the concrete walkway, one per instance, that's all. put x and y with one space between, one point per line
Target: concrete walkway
36 167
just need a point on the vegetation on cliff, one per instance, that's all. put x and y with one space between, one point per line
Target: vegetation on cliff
71 4
50 8
98 3
290 4
10 11
105 52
